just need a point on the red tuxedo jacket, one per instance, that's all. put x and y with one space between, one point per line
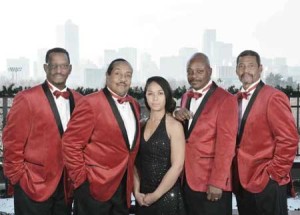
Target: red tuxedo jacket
32 142
210 141
267 141
96 147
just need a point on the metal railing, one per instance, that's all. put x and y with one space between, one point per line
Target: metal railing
6 102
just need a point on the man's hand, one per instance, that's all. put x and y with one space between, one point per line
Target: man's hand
213 193
183 114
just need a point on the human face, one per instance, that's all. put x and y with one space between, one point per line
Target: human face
119 79
198 73
155 96
248 70
58 69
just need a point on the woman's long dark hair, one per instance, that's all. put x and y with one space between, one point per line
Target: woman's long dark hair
164 84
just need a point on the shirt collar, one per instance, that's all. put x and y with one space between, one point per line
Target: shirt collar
203 88
53 88
114 95
251 91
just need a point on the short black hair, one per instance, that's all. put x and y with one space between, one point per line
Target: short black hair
56 50
249 53
112 64
164 84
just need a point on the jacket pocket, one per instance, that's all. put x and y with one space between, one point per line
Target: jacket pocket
36 172
97 166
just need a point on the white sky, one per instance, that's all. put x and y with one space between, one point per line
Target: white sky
159 27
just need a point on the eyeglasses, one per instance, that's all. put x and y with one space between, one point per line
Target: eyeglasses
56 66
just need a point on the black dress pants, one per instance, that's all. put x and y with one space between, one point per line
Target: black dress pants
85 204
198 204
55 205
271 201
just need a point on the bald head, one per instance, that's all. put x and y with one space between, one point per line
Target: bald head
198 56
198 71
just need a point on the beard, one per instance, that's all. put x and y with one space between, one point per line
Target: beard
247 78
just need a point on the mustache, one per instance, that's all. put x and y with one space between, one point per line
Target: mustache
122 83
247 75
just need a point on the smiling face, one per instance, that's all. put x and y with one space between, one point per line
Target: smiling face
58 69
198 73
156 97
119 79
248 70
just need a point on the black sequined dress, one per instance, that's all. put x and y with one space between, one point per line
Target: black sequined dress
154 160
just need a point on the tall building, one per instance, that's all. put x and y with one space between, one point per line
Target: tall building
219 53
94 78
209 44
18 69
226 76
187 53
148 67
223 54
109 56
68 37
173 67
130 54
294 71
38 70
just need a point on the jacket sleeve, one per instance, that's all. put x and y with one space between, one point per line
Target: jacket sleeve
225 143
15 135
75 139
285 135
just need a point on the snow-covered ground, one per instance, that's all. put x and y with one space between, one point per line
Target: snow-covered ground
7 205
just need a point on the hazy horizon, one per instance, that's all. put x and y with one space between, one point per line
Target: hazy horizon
159 28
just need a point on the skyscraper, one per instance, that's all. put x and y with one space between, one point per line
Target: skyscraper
68 37
38 70
209 44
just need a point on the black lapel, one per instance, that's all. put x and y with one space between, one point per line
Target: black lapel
136 126
201 107
71 101
53 107
117 115
186 122
247 111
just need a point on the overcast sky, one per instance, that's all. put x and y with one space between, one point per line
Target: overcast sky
159 27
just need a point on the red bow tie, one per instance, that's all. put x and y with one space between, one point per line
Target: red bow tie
121 100
124 99
242 95
194 95
64 94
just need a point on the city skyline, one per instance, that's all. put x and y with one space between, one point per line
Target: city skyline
157 27
88 74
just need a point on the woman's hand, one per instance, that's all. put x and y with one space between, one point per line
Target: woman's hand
150 198
139 197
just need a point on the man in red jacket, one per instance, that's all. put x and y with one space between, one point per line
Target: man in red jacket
266 142
101 143
33 160
209 114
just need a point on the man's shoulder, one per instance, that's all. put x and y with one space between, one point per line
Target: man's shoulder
31 91
221 93
269 90
94 98
76 94
134 100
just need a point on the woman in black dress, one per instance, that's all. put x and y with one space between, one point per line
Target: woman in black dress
161 157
